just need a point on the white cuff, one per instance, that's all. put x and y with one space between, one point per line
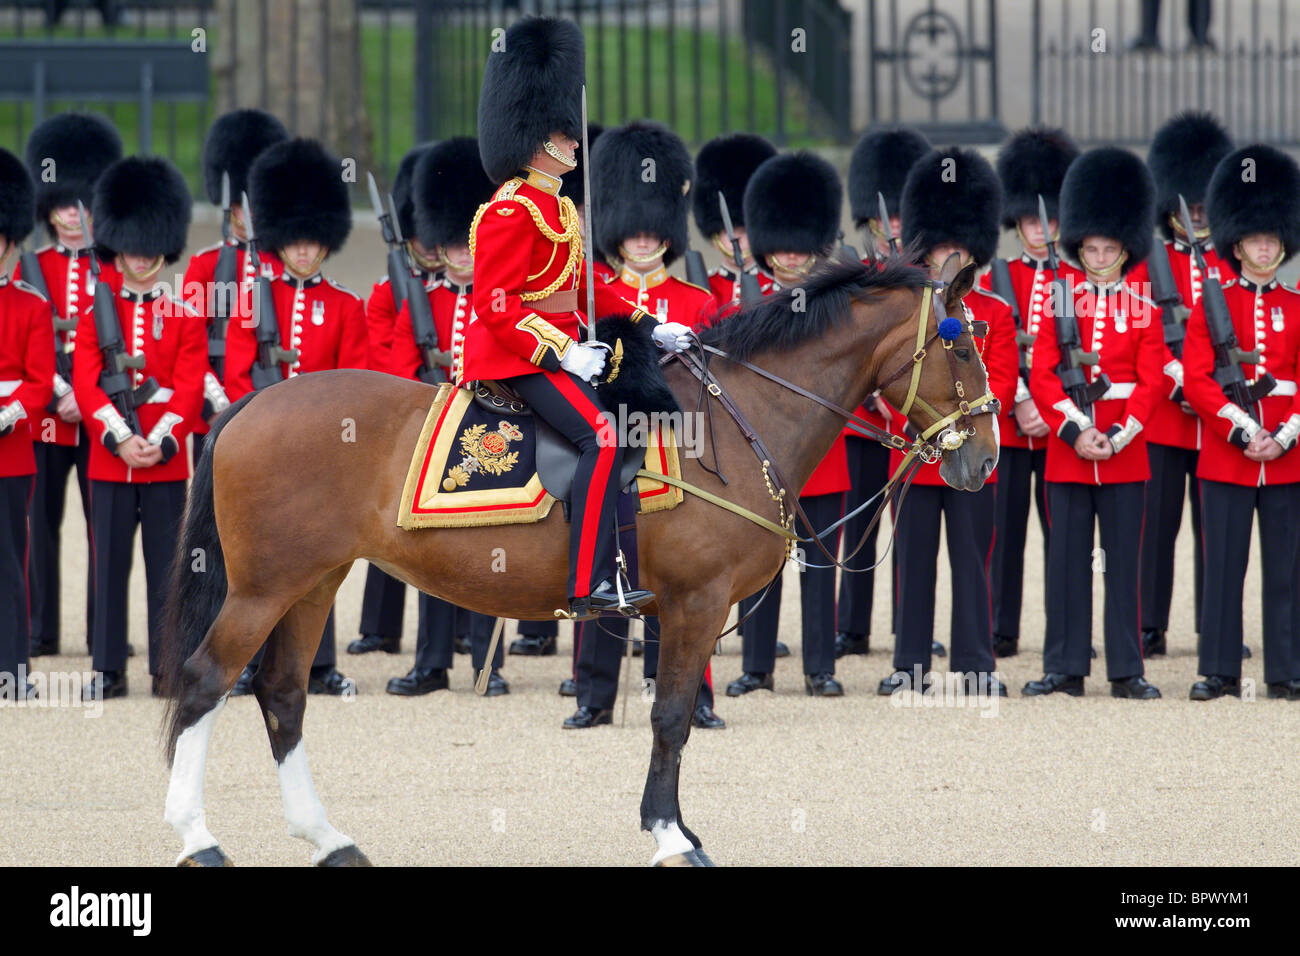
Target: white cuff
217 398
1126 434
163 429
1174 369
12 414
1287 432
1022 391
61 386
114 424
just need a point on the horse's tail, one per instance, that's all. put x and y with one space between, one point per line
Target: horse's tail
197 586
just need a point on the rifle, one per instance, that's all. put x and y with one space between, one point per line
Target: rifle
266 367
1080 391
225 287
882 211
749 289
392 237
115 380
32 275
1173 314
1228 356
1002 287
417 303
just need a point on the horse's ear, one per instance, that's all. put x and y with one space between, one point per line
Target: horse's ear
957 286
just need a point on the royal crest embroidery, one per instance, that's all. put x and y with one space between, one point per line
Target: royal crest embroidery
488 452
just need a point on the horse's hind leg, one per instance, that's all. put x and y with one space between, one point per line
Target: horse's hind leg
206 680
688 629
281 689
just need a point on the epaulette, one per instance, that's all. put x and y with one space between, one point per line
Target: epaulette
990 293
20 284
1289 288
342 288
507 190
607 279
692 285
1230 283
206 249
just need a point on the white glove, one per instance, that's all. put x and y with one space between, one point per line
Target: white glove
672 336
584 361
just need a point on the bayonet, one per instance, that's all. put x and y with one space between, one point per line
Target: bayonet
749 290
882 211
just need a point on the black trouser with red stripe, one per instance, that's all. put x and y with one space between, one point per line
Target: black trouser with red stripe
601 645
116 507
1227 512
868 472
816 591
14 494
1018 470
969 517
1071 562
572 407
442 622
1171 471
382 605
53 462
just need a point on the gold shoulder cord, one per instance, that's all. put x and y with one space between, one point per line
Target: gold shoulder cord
570 236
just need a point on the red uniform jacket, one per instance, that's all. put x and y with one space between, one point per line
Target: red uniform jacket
527 248
1123 327
667 298
172 339
453 309
72 292
1267 319
381 316
1174 426
1001 365
26 370
322 320
725 286
1030 278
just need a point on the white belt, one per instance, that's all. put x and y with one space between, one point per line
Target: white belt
161 397
1118 390
9 387
1283 387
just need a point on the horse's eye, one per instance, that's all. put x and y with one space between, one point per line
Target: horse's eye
963 354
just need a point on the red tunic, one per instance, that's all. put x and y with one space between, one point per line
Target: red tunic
71 285
1266 318
1124 328
724 285
26 370
527 247
453 309
381 316
172 339
322 320
667 298
1001 366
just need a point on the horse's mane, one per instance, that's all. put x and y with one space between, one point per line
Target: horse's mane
827 294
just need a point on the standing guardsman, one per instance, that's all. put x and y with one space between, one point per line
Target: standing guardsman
877 170
951 204
1182 158
446 189
26 387
1031 163
65 155
219 278
527 247
1096 378
724 165
1240 366
792 210
301 213
139 377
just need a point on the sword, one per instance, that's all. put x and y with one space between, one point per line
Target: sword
883 212
481 683
225 205
749 289
586 215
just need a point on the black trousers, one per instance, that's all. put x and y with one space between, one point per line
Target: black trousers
571 406
382 605
53 463
817 593
1071 562
440 623
1172 471
14 495
868 472
969 518
1225 536
539 628
116 508
1020 477
602 644
1198 19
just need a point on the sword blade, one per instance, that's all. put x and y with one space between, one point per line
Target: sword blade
587 233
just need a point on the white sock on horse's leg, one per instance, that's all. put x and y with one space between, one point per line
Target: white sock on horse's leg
184 808
303 810
671 840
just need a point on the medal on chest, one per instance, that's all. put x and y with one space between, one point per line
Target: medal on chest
1121 320
1278 321
318 313
157 326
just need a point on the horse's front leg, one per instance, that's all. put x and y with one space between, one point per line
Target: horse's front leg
689 626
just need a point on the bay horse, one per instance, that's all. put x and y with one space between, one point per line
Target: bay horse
282 503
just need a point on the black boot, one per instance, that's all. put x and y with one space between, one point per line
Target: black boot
848 643
1004 646
1153 641
105 685
1215 686
1071 684
706 719
417 683
568 687
585 717
327 680
533 645
604 597
368 643
749 682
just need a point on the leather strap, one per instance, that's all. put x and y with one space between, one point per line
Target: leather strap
557 303
722 503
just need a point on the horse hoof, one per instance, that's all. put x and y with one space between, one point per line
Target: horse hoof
693 858
212 856
346 856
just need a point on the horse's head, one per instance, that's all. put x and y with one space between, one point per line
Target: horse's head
933 373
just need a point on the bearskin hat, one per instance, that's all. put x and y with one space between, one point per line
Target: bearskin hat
82 146
448 186
952 195
297 192
1182 160
142 208
792 204
234 140
17 199
1270 202
724 165
1032 163
624 203
404 188
880 163
532 87
1108 192
573 186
